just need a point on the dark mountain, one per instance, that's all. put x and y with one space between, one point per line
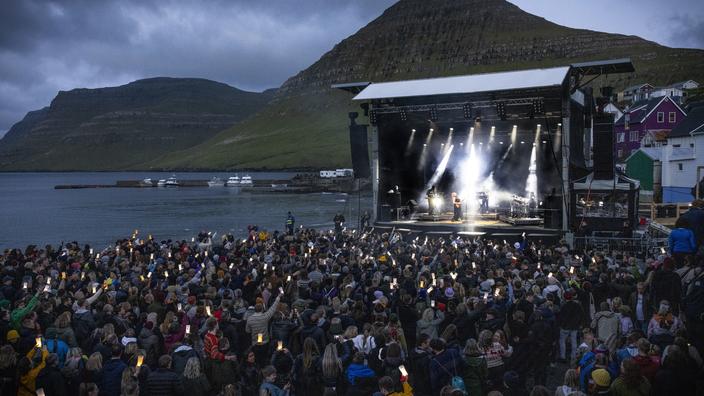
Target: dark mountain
123 127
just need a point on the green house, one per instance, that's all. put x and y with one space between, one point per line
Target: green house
640 165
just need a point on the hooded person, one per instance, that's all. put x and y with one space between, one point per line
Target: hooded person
607 325
50 378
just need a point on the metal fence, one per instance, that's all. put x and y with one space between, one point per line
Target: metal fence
645 245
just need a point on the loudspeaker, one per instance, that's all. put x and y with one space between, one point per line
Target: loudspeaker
603 146
358 148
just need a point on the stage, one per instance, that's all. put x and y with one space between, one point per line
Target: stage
488 225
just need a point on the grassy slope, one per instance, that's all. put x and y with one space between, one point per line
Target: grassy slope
311 130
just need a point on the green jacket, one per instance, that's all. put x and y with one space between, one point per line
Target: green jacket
18 314
475 374
619 388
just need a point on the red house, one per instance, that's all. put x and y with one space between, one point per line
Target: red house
655 114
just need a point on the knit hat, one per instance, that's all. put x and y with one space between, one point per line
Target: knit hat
601 377
13 336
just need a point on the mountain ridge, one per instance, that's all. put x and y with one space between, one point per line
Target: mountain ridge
112 128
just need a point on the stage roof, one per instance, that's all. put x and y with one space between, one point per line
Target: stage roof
522 79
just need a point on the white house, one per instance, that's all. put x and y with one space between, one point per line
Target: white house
683 157
613 109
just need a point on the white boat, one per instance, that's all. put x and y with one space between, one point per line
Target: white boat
161 183
146 182
233 181
246 181
171 182
216 182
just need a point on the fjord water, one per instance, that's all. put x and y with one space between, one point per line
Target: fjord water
33 212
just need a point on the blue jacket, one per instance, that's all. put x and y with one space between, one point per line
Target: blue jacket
112 377
58 347
273 390
682 241
356 370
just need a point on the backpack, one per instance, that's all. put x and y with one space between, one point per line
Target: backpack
83 325
694 300
455 380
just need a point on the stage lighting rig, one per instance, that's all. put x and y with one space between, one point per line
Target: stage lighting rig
467 111
404 115
501 110
434 113
538 106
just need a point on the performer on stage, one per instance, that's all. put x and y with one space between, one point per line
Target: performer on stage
484 202
457 207
431 194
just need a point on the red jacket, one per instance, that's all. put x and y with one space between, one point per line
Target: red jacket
211 347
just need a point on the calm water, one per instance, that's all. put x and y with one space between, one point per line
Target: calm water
33 212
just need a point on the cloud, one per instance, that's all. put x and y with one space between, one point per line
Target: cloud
47 46
688 30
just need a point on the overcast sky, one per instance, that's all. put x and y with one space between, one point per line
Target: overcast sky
251 44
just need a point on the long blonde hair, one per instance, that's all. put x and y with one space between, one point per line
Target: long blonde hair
192 369
331 362
95 362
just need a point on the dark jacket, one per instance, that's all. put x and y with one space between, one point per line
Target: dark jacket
570 316
443 367
314 332
180 358
196 387
111 378
51 380
419 368
475 374
164 382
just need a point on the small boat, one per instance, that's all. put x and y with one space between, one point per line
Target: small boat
171 182
233 181
146 182
246 181
161 183
216 182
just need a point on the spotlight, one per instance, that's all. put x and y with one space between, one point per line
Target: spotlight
413 130
434 113
404 116
501 142
461 144
452 129
425 145
467 111
437 202
522 142
501 110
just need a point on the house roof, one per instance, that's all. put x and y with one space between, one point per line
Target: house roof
692 123
659 135
635 87
654 153
522 79
680 84
641 109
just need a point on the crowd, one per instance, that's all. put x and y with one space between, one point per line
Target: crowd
348 312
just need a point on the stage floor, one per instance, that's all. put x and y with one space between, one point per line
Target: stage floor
486 227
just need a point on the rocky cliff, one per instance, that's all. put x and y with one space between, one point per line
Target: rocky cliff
305 125
123 127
